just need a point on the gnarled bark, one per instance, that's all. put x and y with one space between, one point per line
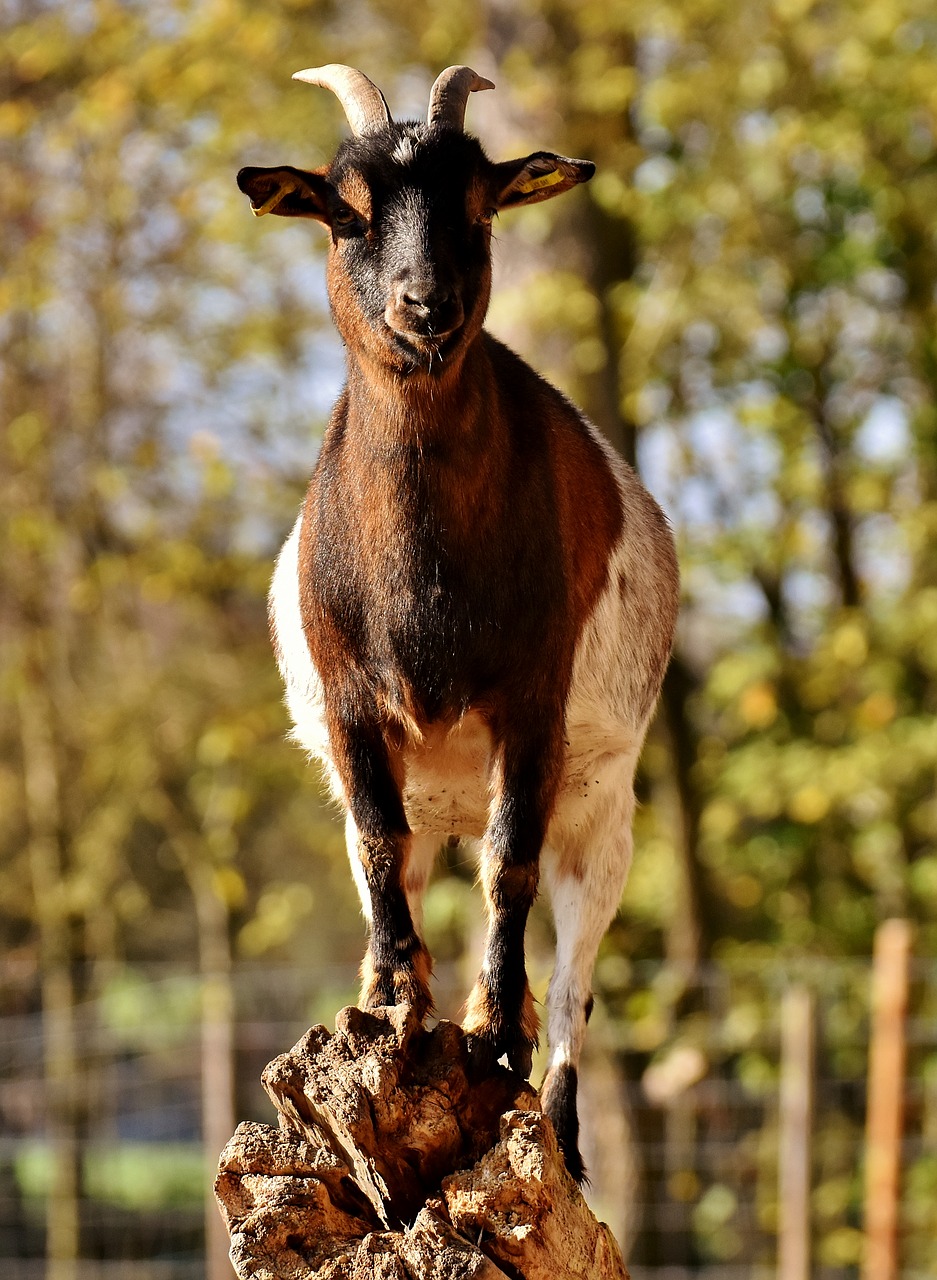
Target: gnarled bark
392 1161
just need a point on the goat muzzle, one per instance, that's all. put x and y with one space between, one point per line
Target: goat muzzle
424 315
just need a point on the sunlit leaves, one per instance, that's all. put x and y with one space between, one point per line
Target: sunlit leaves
145 481
780 297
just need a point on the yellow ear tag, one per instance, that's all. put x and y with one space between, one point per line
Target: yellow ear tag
284 189
545 180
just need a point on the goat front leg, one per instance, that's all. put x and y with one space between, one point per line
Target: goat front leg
396 968
500 1016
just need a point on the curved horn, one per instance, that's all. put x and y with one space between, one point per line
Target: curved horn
449 95
361 99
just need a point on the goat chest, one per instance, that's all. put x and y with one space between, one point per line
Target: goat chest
425 602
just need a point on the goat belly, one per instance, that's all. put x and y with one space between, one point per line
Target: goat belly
447 637
446 778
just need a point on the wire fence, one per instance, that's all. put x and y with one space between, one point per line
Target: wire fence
680 1112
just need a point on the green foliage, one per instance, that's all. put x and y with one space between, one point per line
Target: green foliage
134 1175
146 484
155 1016
760 269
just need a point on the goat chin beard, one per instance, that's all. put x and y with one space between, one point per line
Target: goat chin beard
427 353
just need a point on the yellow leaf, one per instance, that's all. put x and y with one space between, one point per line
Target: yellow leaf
759 705
809 804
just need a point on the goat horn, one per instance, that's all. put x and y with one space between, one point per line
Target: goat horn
362 100
449 95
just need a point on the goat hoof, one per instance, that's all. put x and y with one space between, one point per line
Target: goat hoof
511 1033
574 1165
405 984
482 1055
378 995
484 1052
521 1058
418 1003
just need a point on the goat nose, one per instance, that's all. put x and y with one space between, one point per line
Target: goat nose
423 306
424 298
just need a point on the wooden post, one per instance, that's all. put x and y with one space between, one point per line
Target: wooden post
794 1134
217 1023
885 1109
217 1105
218 1054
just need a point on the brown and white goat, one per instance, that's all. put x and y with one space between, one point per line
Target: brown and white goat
474 610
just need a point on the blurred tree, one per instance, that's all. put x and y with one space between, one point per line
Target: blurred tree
750 300
762 198
140 703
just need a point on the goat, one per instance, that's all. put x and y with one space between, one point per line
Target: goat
475 608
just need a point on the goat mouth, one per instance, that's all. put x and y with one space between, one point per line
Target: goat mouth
425 348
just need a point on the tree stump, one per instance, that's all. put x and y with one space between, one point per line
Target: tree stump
392 1162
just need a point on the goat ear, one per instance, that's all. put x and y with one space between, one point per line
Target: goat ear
540 176
288 192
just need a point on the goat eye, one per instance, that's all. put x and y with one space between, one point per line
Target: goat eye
487 216
344 217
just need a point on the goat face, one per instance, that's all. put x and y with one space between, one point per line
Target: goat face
409 207
409 264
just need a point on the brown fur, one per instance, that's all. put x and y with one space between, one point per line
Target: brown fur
482 1017
408 983
357 194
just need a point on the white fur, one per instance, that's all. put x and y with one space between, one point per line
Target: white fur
303 687
403 152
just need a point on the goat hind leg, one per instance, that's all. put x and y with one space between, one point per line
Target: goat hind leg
585 886
423 853
419 864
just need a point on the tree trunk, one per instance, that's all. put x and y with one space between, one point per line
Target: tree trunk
689 936
391 1161
59 1028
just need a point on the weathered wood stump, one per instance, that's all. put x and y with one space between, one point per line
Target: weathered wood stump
392 1162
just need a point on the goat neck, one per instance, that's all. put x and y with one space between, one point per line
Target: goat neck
457 407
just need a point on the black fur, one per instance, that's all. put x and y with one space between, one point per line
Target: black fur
558 1098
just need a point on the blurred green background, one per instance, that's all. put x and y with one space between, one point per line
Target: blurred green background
744 299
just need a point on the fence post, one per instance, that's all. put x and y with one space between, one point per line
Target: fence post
885 1110
794 1133
218 1117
